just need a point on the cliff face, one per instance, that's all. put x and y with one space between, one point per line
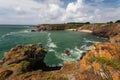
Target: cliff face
115 40
50 27
59 26
103 30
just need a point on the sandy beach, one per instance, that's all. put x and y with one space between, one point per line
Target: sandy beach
71 30
86 31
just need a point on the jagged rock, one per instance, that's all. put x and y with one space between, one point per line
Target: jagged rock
5 74
115 40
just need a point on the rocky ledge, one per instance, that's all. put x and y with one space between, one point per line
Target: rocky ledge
23 59
102 62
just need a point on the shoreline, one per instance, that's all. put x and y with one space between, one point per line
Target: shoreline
86 31
70 29
83 30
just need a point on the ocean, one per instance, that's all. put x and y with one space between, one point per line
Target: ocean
56 42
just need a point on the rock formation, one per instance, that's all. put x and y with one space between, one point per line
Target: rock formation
103 30
23 59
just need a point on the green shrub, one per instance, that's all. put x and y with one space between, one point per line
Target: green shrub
24 66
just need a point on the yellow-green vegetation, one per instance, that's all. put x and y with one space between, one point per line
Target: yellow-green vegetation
111 62
92 26
24 66
60 26
10 65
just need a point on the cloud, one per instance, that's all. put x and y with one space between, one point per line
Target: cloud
52 11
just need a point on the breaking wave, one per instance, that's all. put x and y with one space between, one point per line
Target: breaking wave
75 54
88 41
50 44
14 33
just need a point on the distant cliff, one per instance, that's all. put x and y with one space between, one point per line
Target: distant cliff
103 30
49 27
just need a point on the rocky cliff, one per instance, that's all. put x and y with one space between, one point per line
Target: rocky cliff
23 59
102 62
103 30
59 26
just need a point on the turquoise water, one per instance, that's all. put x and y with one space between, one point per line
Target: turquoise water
54 41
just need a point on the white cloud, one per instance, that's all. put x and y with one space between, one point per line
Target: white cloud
52 11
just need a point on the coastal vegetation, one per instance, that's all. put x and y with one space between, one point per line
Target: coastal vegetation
64 26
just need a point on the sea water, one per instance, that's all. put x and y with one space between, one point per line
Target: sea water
56 42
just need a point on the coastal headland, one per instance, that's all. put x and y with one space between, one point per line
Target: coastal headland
102 62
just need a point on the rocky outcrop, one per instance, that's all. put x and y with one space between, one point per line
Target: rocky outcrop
49 27
65 26
22 59
108 30
102 62
103 30
115 40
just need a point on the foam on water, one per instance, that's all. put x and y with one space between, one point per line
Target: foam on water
88 41
50 44
27 26
75 55
14 33
85 47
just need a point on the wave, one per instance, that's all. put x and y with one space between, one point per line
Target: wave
27 26
14 33
88 41
50 44
85 47
75 55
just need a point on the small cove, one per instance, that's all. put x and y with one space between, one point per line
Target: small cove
56 42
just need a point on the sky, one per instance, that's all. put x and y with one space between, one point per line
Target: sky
58 11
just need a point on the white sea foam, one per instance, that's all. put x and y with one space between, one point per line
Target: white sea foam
75 55
7 34
26 26
26 31
14 33
50 43
88 41
85 47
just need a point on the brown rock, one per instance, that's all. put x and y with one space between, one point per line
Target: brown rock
5 74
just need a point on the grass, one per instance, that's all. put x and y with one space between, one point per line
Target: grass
11 65
112 62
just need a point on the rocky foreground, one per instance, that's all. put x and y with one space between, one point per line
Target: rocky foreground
102 62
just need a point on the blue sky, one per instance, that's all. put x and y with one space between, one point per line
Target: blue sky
58 11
